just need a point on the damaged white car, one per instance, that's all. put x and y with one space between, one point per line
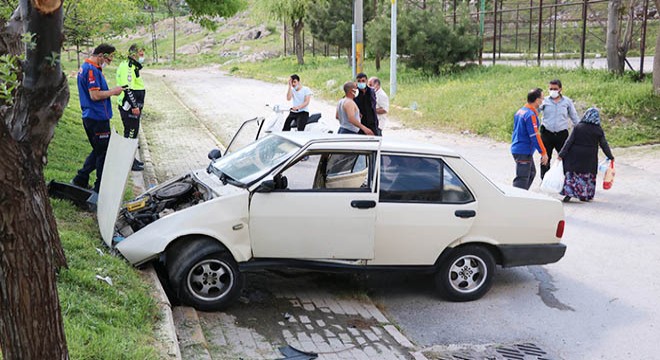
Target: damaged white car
326 201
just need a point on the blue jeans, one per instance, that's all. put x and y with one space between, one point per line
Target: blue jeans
525 171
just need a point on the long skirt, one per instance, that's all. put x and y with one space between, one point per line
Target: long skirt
579 185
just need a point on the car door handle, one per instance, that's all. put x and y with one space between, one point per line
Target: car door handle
363 204
465 213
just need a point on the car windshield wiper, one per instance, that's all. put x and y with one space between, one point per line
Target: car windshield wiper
226 179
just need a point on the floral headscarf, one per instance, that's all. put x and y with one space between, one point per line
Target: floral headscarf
591 116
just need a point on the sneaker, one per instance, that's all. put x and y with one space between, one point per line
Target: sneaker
84 186
136 161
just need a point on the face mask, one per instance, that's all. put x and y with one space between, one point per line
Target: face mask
104 65
355 92
554 94
141 59
362 86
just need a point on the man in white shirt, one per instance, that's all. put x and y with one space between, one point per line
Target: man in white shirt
301 95
382 102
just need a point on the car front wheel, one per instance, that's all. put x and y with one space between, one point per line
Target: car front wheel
207 280
466 274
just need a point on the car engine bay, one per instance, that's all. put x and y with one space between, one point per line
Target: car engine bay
158 203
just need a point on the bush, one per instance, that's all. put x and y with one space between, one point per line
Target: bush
426 41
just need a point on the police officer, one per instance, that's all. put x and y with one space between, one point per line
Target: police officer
131 101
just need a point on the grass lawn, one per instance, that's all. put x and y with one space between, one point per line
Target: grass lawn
101 321
482 100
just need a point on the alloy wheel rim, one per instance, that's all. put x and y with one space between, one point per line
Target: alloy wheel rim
210 280
467 274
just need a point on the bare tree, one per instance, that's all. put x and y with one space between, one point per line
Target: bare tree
656 59
618 44
30 249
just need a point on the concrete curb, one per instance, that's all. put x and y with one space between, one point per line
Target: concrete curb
166 331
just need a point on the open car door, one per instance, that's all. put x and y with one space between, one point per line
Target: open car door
249 132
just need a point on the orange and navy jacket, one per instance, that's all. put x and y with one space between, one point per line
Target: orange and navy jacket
526 136
90 77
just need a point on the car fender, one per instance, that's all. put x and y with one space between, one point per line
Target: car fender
224 218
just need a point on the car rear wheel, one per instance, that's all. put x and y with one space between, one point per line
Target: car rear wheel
466 274
204 275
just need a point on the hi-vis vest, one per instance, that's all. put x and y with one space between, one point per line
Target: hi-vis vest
126 76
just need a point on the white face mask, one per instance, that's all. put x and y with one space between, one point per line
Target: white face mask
355 92
554 94
141 59
104 65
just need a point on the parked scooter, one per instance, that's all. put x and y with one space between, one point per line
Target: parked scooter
276 122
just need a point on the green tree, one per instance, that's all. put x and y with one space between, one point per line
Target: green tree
619 33
203 11
330 21
85 20
426 40
292 12
31 324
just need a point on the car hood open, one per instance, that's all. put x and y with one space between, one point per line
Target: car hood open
118 162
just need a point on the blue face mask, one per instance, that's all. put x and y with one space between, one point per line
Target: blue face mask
361 86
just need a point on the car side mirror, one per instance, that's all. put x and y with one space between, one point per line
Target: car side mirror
215 154
266 186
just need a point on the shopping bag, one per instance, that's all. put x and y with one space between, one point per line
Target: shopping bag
603 166
608 179
553 181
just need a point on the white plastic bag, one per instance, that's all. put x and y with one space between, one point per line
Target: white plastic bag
553 181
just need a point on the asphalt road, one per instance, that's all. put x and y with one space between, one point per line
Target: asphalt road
599 302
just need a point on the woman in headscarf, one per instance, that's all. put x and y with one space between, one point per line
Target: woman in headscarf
580 156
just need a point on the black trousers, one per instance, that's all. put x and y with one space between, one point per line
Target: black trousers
525 171
552 141
301 120
131 123
98 135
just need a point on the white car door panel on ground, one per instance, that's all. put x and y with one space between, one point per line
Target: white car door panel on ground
325 208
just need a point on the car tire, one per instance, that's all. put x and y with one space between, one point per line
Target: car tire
204 275
466 274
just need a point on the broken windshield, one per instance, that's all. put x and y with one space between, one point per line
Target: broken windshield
256 159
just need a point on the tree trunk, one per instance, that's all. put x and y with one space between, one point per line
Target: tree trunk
656 59
378 60
30 250
297 31
614 57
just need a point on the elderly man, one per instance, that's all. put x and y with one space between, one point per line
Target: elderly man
382 102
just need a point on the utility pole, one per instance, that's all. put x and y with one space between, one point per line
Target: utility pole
393 52
359 35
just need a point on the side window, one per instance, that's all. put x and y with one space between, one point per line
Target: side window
330 172
420 179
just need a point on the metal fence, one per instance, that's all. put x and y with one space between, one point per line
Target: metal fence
558 29
540 29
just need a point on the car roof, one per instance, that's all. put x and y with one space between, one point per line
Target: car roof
387 144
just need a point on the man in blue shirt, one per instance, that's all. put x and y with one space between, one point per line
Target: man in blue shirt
525 139
557 109
96 108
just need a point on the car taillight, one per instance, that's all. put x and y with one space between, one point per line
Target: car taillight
560 229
